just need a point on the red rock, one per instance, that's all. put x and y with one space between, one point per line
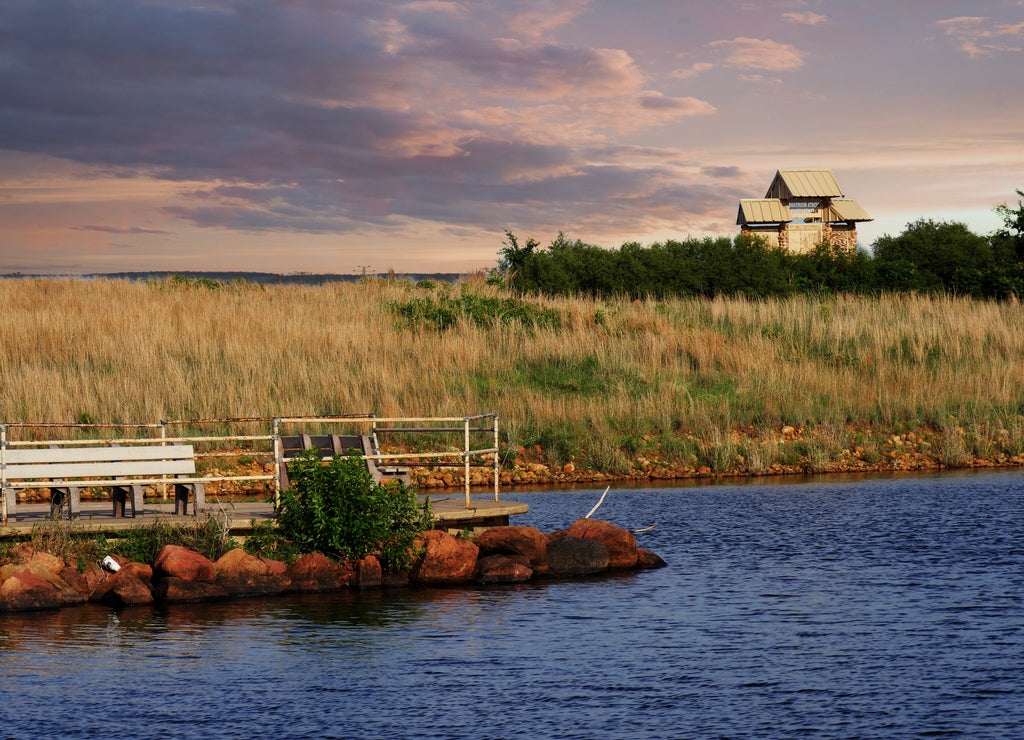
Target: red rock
575 556
241 574
620 542
22 590
648 560
502 569
274 566
315 572
445 560
180 562
527 542
396 580
369 573
51 562
174 590
126 587
69 594
93 575
76 580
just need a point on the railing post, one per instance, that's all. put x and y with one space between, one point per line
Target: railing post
278 461
3 473
497 460
465 455
163 437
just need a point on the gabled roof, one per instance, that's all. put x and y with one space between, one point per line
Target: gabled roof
844 209
805 183
763 211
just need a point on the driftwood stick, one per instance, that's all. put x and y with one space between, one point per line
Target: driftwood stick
600 501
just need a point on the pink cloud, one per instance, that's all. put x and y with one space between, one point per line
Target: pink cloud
978 36
692 71
805 19
748 54
544 16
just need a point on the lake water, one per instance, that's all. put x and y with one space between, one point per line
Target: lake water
876 608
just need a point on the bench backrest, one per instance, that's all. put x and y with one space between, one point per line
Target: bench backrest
25 463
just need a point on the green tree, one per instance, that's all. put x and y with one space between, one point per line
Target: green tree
1008 242
947 256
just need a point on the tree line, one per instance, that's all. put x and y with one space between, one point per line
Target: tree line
927 257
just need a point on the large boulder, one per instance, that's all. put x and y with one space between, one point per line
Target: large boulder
175 561
369 573
499 568
445 559
242 574
129 586
621 543
45 560
23 590
174 590
69 595
526 542
575 556
314 572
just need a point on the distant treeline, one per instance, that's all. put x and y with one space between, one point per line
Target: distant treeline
211 278
928 257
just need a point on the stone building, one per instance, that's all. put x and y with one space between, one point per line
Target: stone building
802 209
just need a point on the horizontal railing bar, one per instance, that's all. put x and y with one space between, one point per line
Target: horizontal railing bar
380 419
131 481
155 441
407 455
433 429
75 425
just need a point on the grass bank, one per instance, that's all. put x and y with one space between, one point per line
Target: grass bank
642 388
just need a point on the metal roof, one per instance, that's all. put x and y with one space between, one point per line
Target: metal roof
804 183
763 211
845 209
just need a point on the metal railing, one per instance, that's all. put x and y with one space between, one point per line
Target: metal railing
471 430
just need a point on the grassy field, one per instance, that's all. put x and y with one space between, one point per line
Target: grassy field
628 388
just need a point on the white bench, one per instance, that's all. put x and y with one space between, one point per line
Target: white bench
126 470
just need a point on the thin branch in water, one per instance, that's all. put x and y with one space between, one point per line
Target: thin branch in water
600 501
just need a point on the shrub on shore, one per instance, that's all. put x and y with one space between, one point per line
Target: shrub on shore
335 508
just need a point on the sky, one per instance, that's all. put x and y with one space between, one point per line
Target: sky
352 136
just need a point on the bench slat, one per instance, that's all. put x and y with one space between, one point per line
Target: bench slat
21 455
104 469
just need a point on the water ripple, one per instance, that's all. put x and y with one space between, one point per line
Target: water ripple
887 608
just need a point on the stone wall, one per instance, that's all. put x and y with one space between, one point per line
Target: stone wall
803 238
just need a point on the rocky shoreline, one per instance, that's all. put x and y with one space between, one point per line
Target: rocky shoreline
38 580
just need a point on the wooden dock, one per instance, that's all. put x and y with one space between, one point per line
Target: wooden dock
448 510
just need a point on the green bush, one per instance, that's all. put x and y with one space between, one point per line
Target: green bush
334 507
444 311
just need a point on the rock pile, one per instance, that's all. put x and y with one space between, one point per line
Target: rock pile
512 554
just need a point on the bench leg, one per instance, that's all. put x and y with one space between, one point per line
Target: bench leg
181 493
12 501
123 495
137 503
60 503
120 494
65 502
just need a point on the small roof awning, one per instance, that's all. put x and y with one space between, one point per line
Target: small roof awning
844 209
763 211
802 184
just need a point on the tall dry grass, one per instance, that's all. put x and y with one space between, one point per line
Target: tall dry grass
616 380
